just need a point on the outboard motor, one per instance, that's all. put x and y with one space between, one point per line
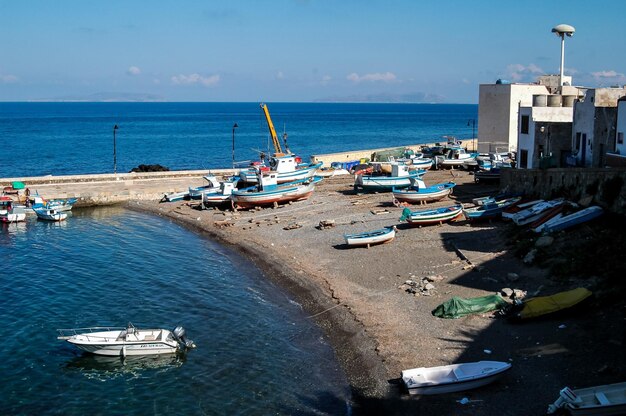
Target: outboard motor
179 335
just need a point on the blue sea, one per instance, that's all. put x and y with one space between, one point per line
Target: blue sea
258 353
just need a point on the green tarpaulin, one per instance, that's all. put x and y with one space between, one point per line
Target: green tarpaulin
458 307
18 185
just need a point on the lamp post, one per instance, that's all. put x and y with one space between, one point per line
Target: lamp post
234 127
114 151
473 123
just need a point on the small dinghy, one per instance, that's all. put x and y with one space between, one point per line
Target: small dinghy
452 378
420 193
369 238
431 216
49 214
127 341
609 399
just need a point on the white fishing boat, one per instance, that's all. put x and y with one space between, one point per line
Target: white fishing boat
452 378
10 212
127 341
50 214
609 399
420 193
535 211
269 192
402 176
455 157
220 197
213 185
369 238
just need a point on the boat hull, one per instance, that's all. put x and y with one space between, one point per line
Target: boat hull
370 238
430 194
434 216
126 348
385 183
250 175
280 195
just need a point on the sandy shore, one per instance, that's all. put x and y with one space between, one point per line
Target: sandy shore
378 329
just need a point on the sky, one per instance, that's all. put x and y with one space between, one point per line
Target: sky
299 50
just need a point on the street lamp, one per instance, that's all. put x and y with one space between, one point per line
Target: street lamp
561 31
234 127
114 152
473 123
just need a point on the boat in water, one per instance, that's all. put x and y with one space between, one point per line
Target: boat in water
452 378
50 214
370 238
11 212
127 341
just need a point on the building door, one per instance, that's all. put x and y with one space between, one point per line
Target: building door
523 159
583 151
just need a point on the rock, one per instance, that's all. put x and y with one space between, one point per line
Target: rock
326 224
513 277
507 292
435 278
429 286
530 257
544 241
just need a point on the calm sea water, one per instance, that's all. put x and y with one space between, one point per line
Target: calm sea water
77 138
257 353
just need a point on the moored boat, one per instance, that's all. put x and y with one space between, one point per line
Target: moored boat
608 399
13 213
369 238
431 216
50 214
420 193
126 341
452 378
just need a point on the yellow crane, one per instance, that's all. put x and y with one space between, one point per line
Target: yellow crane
278 150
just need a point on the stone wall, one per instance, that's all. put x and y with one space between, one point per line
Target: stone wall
602 186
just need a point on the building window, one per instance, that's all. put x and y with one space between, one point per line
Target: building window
525 123
620 138
578 135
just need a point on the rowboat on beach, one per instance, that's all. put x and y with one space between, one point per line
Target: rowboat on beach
455 157
220 197
126 341
213 185
420 193
452 378
489 210
609 399
269 192
369 238
561 222
402 176
431 216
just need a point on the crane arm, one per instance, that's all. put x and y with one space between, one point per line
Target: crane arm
270 125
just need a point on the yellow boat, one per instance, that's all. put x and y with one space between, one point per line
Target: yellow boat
543 305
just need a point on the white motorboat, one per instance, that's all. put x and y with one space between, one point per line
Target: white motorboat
50 214
609 399
197 192
452 378
127 341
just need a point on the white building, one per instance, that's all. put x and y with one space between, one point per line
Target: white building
594 128
499 104
617 156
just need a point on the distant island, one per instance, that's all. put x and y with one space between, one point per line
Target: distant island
105 97
417 97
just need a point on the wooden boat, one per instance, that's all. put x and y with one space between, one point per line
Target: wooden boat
175 196
543 305
489 210
452 378
289 168
420 193
608 399
269 192
431 216
213 185
49 214
13 213
126 341
369 238
59 204
220 197
562 222
534 212
455 157
510 212
554 212
401 177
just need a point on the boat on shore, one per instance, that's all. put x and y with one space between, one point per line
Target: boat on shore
431 216
370 238
608 399
419 193
213 185
402 176
125 341
455 157
269 192
489 210
452 378
220 197
561 222
288 168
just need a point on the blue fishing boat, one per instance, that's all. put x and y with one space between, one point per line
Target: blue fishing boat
490 210
420 193
402 176
431 216
562 222
369 238
269 192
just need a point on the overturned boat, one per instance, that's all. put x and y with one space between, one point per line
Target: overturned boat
111 341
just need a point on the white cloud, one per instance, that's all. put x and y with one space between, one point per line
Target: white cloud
196 79
8 79
375 77
609 76
519 72
133 70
